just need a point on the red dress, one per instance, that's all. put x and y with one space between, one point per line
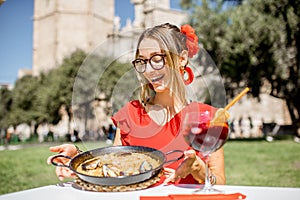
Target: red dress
138 129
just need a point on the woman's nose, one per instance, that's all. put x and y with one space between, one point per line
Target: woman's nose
149 68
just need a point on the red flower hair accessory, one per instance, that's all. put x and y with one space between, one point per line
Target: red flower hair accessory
191 39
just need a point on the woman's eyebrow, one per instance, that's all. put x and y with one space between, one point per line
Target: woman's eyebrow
140 56
154 53
151 54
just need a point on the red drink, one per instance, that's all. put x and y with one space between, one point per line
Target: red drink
206 139
202 136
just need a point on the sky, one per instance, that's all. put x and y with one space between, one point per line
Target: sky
16 34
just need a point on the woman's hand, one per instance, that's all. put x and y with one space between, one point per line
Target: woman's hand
66 150
185 168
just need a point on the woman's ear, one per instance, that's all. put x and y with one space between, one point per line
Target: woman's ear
183 59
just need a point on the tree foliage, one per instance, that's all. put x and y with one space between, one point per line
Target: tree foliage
5 104
39 98
253 43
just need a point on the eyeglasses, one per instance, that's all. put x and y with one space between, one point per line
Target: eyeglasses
156 61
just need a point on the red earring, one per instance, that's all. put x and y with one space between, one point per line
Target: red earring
187 75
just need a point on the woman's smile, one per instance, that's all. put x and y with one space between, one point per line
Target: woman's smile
157 78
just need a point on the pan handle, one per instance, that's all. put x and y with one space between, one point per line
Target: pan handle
60 164
175 159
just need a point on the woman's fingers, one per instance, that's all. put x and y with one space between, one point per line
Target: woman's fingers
59 173
169 179
58 149
64 149
190 153
169 174
63 172
67 150
49 160
184 168
168 171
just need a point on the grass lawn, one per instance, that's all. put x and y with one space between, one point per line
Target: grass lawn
261 163
256 163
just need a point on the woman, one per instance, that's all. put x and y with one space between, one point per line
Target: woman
154 120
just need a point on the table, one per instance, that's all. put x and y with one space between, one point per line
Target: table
66 191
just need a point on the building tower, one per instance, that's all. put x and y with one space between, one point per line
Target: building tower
149 13
62 26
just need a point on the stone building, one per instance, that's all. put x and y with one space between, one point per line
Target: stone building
62 26
147 13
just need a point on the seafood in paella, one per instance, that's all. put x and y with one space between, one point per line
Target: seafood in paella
118 164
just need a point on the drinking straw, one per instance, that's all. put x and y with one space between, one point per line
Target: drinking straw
222 112
237 98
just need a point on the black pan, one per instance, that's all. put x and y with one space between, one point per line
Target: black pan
120 180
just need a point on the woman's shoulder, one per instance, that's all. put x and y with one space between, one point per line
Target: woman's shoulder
131 106
134 104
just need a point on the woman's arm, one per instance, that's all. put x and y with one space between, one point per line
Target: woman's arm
117 141
217 167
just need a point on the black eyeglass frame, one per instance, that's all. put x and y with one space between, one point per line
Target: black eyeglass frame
145 61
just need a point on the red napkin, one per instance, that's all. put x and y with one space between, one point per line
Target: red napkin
233 196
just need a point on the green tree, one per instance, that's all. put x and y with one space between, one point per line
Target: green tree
39 98
61 81
286 49
5 105
54 89
254 42
268 38
23 98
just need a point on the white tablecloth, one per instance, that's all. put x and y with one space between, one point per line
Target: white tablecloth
68 192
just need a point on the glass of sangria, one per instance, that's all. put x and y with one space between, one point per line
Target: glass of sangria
206 133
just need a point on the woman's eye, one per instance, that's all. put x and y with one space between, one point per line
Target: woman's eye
156 59
139 62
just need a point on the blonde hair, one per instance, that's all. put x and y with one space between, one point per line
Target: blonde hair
172 42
